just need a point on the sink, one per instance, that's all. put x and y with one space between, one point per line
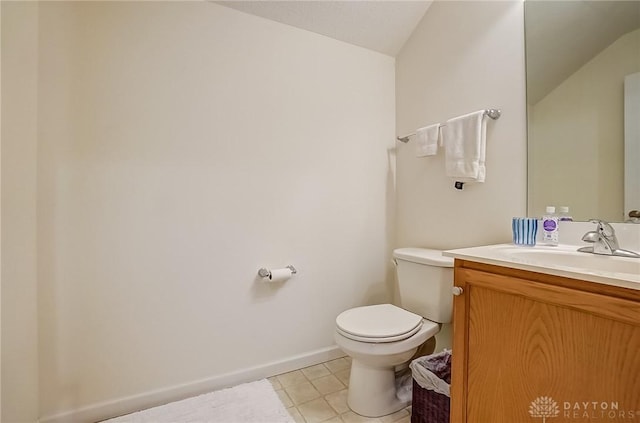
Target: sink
562 260
563 257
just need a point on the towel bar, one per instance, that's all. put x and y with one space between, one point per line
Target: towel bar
492 113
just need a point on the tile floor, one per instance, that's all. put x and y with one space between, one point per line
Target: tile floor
319 394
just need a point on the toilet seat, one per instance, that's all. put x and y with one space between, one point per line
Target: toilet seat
378 323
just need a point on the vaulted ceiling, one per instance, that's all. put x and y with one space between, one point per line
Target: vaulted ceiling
561 35
382 26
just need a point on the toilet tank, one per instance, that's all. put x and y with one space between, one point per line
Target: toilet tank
425 281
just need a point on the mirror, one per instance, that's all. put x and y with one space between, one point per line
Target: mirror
578 54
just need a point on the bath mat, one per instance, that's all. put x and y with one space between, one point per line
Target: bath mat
254 402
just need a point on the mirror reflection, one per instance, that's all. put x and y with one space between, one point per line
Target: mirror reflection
583 76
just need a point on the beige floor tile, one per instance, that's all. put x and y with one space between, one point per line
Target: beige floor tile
327 384
343 376
316 371
275 383
291 378
316 411
338 401
318 394
302 392
338 364
393 418
295 414
351 417
284 398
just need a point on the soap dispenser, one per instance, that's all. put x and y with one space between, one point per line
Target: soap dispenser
550 227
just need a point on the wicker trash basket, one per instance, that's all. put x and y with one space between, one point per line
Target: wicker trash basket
431 381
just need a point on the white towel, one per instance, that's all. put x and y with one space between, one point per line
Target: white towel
427 140
464 141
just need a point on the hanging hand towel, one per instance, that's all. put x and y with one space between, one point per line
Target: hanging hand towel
464 141
427 140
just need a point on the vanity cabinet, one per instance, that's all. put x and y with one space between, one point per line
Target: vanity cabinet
530 347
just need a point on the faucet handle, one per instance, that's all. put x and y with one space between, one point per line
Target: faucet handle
604 228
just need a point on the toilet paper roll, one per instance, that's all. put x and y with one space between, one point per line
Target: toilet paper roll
280 275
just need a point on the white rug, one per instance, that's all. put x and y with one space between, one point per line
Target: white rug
254 402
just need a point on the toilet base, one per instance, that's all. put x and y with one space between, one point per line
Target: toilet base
372 383
372 391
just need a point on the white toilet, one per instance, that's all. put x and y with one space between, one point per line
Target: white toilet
381 337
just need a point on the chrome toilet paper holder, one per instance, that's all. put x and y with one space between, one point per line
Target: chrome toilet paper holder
266 273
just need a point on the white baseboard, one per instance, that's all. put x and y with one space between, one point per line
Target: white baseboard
117 407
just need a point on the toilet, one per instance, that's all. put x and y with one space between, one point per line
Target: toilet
380 338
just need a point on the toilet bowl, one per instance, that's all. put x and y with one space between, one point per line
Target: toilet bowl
372 383
381 337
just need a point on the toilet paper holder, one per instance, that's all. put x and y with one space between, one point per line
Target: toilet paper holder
266 273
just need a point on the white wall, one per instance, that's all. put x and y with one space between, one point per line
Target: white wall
463 57
181 147
582 119
19 353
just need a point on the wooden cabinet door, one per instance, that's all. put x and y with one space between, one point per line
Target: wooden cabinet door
527 351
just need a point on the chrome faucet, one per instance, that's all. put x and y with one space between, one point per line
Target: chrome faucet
604 241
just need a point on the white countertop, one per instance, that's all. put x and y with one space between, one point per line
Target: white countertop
562 260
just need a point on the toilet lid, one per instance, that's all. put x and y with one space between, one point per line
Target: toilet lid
378 323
